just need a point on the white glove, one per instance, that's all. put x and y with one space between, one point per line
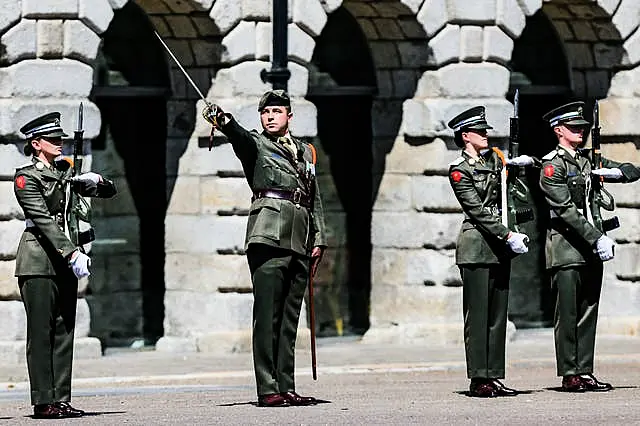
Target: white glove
608 173
80 263
520 160
88 177
518 242
604 248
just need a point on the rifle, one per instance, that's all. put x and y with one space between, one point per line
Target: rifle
79 209
601 197
512 186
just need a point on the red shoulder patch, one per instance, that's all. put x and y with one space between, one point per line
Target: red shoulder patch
21 181
548 170
456 176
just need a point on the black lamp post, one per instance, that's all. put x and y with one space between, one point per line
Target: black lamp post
279 74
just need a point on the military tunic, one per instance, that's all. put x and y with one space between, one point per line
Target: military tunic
483 257
280 235
570 253
48 286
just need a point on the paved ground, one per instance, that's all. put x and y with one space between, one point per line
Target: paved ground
362 384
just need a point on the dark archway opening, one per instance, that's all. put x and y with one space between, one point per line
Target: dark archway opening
540 70
342 86
131 89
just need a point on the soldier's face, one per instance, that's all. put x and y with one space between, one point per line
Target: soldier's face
477 138
571 135
50 147
275 120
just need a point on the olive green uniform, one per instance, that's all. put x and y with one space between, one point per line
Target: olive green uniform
281 231
484 261
48 286
575 268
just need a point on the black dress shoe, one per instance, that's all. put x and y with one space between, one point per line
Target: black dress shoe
502 390
482 388
592 384
272 400
573 383
67 408
295 399
48 411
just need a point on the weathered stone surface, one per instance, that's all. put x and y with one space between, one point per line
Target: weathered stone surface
20 41
240 43
80 42
626 17
11 10
620 114
17 111
11 156
392 304
510 17
497 45
632 50
624 265
124 231
479 11
300 43
432 267
330 5
83 318
10 232
529 7
96 14
121 205
433 157
310 16
87 348
116 316
414 230
8 283
176 344
14 321
206 273
394 193
49 8
624 84
115 273
472 44
9 207
65 78
409 333
464 81
225 194
433 194
185 198
193 163
413 5
50 36
244 79
193 234
445 46
618 298
428 118
117 4
193 313
12 352
226 14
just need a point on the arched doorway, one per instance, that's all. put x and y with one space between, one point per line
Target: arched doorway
131 89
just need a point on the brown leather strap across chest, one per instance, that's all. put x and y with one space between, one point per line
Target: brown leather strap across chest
296 197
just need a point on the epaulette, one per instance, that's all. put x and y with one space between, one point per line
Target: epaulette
457 161
30 163
551 155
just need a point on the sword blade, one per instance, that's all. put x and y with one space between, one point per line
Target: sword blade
193 84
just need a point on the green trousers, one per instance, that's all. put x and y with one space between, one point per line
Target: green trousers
576 317
50 304
280 279
485 297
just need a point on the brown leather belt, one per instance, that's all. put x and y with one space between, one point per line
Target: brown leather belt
296 197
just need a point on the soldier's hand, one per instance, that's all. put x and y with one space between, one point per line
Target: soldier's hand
80 263
605 248
518 242
521 160
608 173
88 177
316 257
214 115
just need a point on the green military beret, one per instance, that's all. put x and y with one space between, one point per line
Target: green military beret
274 98
47 126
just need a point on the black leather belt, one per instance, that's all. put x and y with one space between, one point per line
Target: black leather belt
296 197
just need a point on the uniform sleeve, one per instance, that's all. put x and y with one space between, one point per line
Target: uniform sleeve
31 199
471 203
553 182
242 141
630 173
104 189
320 238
